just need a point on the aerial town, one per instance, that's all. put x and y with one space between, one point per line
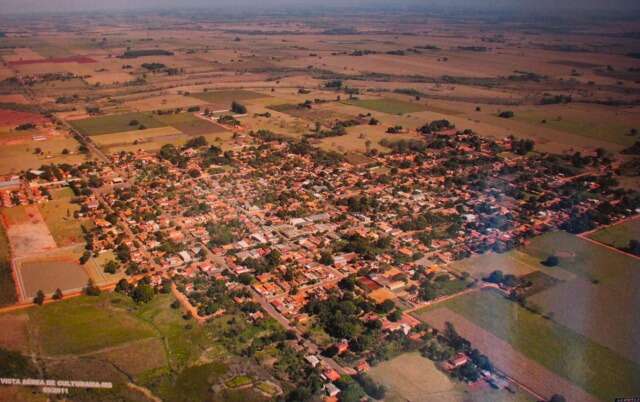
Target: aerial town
217 224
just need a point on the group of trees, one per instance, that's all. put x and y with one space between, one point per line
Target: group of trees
142 292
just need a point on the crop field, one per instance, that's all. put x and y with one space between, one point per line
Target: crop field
571 356
115 123
49 274
190 124
388 105
618 235
321 114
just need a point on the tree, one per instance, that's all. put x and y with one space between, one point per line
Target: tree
39 299
551 261
91 289
238 108
143 293
507 114
111 267
123 286
57 295
557 398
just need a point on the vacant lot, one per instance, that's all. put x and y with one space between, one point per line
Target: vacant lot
49 274
190 124
318 113
411 377
549 346
388 105
27 231
115 123
618 235
58 214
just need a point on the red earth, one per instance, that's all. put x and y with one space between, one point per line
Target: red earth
72 59
14 118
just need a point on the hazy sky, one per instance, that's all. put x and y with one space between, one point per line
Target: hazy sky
13 6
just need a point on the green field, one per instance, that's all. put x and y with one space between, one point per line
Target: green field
618 235
85 324
190 124
593 367
114 123
388 105
580 124
7 286
224 98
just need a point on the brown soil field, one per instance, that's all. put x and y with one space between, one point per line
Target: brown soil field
14 118
31 236
49 274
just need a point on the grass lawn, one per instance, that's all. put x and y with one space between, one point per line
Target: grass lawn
388 105
618 235
190 124
591 366
115 123
86 324
58 214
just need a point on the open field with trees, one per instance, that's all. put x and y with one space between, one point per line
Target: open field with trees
618 235
7 285
554 346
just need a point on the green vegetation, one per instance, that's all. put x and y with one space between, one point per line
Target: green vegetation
239 381
189 124
7 286
619 235
556 347
226 97
85 324
388 105
115 123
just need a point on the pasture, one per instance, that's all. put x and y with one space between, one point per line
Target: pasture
116 123
618 235
495 324
388 105
190 124
223 99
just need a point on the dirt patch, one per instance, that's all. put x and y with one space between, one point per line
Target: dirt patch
14 118
48 275
73 59
30 237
